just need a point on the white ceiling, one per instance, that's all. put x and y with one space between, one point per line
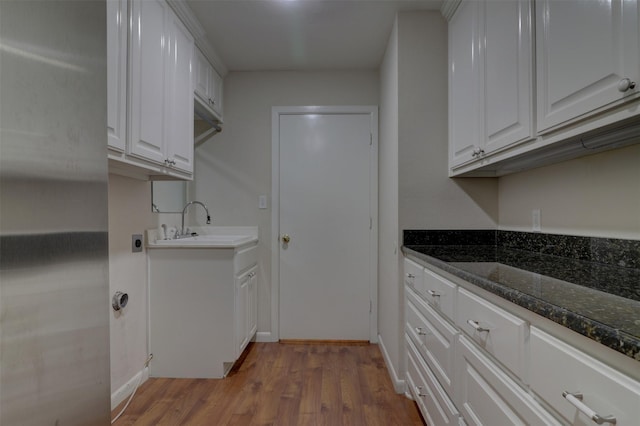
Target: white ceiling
253 35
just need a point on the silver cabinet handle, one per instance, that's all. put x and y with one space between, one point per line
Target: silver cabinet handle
411 276
420 331
575 399
433 293
477 327
419 392
626 84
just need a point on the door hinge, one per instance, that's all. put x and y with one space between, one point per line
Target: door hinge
370 306
370 139
370 222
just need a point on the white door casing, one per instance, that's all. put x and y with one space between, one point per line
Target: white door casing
324 189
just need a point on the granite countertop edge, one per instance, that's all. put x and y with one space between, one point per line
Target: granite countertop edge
615 339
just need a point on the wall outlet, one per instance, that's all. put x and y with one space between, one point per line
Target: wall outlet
136 243
535 216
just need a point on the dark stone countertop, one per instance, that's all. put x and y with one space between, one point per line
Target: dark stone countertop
598 300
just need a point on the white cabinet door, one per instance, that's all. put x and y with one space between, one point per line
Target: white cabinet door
216 92
117 74
253 303
584 50
203 75
507 73
179 88
242 312
485 395
557 367
464 106
148 57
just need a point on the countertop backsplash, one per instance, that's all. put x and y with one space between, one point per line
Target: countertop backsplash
590 285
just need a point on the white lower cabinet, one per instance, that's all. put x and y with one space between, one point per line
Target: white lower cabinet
495 330
487 396
434 337
202 309
246 308
558 369
478 363
435 405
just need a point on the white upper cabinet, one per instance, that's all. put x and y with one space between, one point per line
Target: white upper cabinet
117 74
179 145
507 73
490 79
587 57
464 75
208 84
161 102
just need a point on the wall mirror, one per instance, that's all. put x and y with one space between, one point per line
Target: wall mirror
168 196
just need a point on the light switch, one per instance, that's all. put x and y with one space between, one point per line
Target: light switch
262 202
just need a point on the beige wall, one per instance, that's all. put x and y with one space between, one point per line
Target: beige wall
234 167
415 192
129 213
389 297
598 195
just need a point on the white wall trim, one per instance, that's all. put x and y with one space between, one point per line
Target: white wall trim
276 112
400 385
125 390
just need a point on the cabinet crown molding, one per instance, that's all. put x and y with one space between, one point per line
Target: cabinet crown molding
189 19
449 7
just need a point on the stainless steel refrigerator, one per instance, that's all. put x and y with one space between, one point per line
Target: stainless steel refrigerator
54 301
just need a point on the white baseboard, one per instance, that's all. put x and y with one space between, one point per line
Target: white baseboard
399 384
125 390
264 336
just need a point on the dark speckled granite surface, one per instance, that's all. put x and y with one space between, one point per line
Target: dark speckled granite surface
590 285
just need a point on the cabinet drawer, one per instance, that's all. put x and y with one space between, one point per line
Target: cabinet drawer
435 405
557 367
434 338
497 331
244 258
414 275
440 293
487 396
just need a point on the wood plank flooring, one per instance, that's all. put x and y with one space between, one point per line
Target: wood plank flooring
280 384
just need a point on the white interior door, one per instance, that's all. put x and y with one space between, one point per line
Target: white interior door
325 204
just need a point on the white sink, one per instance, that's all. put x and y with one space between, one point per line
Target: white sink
208 236
207 240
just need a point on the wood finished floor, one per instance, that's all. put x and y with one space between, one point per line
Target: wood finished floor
280 384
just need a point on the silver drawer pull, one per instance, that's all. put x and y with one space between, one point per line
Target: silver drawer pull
411 276
477 327
421 331
419 392
575 398
433 293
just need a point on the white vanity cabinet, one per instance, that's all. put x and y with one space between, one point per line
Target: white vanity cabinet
588 52
202 309
490 79
208 84
246 308
153 72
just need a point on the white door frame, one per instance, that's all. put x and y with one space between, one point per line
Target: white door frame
276 112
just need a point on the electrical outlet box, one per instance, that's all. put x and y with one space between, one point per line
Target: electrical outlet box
136 243
262 202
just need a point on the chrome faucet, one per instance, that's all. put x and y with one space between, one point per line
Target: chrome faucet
182 229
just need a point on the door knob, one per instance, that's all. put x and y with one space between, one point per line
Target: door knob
286 238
